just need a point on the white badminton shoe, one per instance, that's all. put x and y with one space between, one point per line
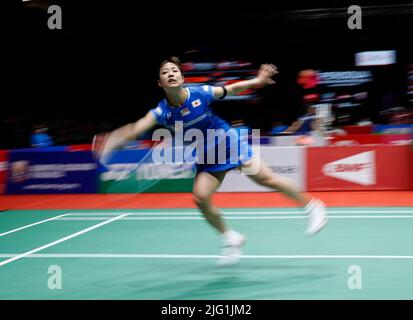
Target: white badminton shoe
317 216
231 242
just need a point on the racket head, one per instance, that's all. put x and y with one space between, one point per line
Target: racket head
98 144
99 151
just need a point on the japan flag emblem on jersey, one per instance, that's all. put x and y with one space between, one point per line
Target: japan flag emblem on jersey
196 103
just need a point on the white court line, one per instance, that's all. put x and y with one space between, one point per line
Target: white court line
199 256
62 239
147 213
234 218
33 224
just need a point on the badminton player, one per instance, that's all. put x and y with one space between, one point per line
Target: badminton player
190 106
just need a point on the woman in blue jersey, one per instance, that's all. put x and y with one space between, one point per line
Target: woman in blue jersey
187 107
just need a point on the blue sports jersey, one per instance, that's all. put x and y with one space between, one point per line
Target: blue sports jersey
195 113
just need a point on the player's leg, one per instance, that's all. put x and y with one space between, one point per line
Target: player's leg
205 185
231 241
261 173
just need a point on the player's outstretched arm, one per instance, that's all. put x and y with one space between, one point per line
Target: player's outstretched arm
262 79
107 142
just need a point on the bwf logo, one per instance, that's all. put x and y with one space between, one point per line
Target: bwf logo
359 169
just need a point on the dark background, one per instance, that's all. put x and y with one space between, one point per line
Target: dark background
100 70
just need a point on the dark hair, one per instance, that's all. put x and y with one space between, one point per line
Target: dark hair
174 60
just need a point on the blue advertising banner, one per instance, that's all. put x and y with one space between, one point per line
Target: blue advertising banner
43 149
135 171
393 129
32 172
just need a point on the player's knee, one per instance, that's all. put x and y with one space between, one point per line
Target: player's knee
201 199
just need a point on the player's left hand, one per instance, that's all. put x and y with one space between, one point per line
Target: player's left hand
265 73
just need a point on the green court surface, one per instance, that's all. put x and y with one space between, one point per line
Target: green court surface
171 254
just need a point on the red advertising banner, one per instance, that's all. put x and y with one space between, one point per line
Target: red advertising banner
359 129
360 139
355 139
359 168
399 139
3 170
79 147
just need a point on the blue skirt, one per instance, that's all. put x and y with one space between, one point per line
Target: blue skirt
220 156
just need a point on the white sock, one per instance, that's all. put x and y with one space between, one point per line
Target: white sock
229 234
310 206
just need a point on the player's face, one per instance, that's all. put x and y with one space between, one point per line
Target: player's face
170 76
311 110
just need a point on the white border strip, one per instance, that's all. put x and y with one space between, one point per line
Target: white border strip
233 218
275 212
200 256
62 240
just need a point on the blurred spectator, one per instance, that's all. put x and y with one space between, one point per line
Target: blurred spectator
40 137
277 128
403 116
397 115
335 131
239 124
304 124
365 122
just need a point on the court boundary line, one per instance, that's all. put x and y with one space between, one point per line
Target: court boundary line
73 235
202 256
33 224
